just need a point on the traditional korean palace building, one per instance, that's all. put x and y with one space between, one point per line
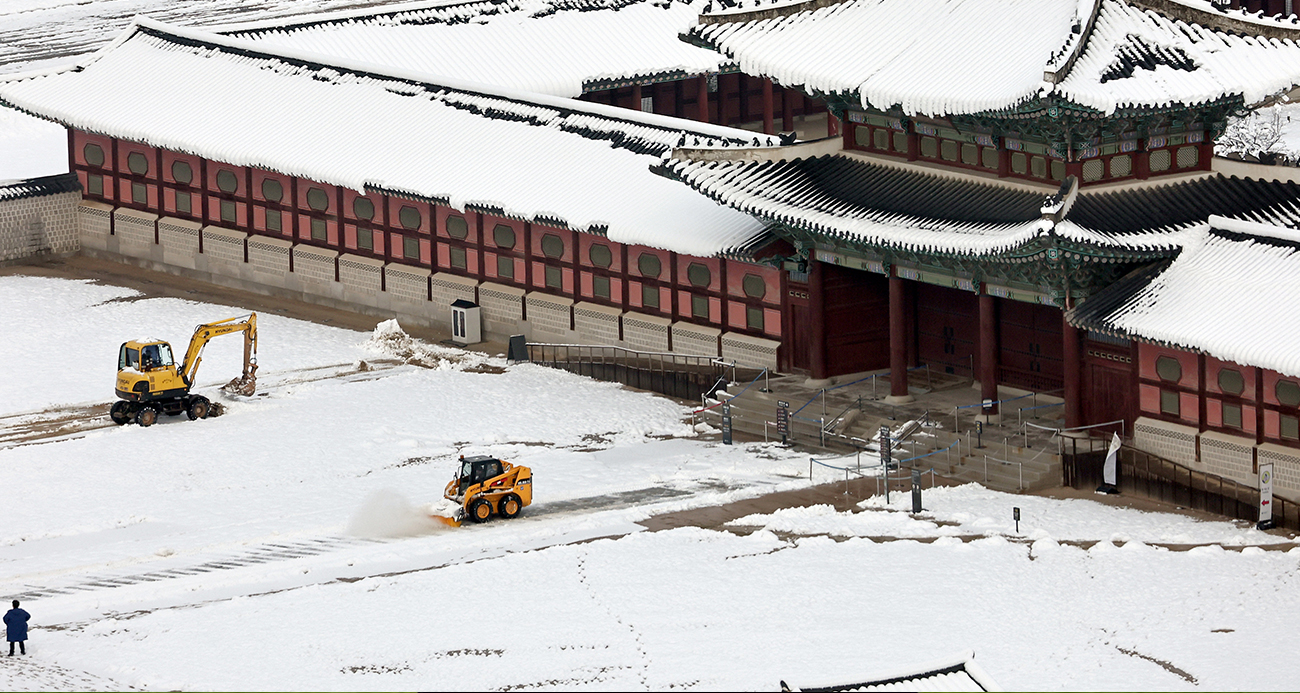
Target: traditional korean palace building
1026 194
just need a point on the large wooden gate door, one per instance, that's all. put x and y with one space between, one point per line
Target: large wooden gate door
947 328
856 319
1109 387
1032 352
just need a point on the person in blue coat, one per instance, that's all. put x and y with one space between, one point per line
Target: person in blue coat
16 628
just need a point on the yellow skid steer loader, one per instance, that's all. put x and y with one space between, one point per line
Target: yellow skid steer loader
486 486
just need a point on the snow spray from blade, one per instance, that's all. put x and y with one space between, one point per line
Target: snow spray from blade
386 513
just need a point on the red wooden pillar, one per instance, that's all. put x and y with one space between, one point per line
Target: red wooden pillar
1142 161
832 123
897 343
636 97
1073 365
817 321
702 100
767 107
988 361
787 110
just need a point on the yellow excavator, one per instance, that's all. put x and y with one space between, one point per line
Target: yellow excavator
486 486
149 383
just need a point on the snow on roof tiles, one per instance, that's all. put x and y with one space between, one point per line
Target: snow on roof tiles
879 205
546 46
1140 58
945 57
531 156
951 674
1231 293
928 56
39 187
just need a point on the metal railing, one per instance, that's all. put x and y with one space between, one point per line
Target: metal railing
677 375
1140 473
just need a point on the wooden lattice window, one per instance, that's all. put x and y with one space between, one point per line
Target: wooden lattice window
1159 160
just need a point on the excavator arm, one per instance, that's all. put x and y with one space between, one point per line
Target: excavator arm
189 368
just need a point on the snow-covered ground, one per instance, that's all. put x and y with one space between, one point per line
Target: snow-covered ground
285 545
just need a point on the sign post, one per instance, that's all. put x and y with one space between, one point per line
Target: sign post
916 491
979 434
1015 513
1265 495
726 422
783 421
886 458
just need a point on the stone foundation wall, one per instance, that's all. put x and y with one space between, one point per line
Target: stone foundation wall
179 239
94 224
503 307
695 340
279 267
136 232
643 332
549 316
1171 441
1230 457
749 351
39 224
407 285
596 324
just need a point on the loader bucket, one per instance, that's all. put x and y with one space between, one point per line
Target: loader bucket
449 521
454 521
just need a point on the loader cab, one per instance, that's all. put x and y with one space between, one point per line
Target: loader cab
476 470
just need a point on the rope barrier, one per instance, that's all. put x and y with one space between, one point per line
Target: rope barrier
1076 428
751 383
932 452
1001 401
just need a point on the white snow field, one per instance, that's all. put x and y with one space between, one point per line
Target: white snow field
286 546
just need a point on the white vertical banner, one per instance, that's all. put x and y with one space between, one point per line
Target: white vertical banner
1265 492
1108 471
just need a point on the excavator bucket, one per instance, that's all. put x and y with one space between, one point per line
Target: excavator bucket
245 384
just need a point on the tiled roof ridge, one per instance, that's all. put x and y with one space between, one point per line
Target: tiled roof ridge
1244 24
565 107
39 187
420 12
730 15
356 14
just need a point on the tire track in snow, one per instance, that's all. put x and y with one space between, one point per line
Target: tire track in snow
72 421
265 553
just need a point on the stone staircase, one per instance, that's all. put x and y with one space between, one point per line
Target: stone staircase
838 422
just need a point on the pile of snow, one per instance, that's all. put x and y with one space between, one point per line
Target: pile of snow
391 340
972 510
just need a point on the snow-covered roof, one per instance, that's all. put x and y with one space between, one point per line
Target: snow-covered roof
38 187
951 674
547 46
1140 58
945 57
930 212
929 56
1230 293
361 126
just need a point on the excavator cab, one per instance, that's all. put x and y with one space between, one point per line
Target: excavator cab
146 371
